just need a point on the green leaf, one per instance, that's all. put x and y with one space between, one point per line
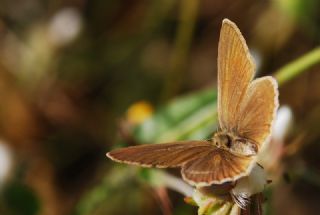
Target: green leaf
191 116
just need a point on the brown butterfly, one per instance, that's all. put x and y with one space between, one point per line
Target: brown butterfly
246 110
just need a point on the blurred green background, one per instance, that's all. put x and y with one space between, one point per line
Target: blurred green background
79 78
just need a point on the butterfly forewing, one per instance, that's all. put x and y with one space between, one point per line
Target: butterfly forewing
258 110
161 155
216 167
235 71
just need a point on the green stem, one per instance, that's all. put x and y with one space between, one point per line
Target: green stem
298 66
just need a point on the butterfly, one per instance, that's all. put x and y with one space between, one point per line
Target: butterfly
246 111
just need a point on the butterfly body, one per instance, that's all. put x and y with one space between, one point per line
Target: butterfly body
234 144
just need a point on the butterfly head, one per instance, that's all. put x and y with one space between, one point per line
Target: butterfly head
222 140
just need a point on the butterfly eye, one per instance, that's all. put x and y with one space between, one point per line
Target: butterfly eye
217 143
229 141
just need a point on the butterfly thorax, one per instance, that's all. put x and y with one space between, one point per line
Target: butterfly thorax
234 144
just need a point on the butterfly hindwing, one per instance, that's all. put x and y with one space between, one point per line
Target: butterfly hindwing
258 110
216 167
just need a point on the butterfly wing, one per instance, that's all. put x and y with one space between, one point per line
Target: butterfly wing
202 163
161 155
216 167
258 110
235 72
245 108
